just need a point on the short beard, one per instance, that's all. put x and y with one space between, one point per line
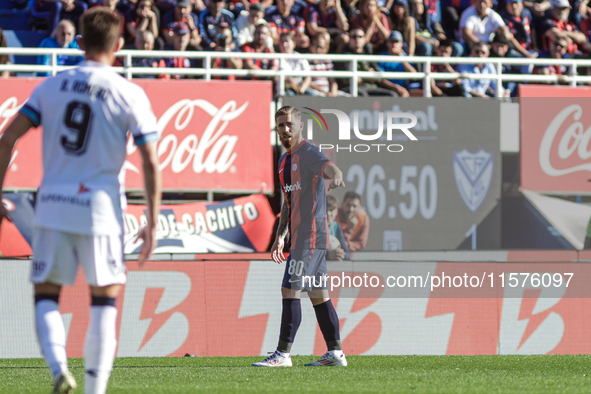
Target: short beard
286 144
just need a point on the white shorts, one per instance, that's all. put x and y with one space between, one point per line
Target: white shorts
56 256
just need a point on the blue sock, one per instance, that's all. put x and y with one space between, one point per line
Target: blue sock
328 321
291 317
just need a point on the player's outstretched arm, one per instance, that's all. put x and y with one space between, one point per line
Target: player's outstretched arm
277 250
332 172
19 126
153 185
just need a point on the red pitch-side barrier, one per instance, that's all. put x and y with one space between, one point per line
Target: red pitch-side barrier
230 305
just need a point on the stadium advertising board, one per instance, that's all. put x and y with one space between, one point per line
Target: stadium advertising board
171 308
555 135
215 136
441 191
240 225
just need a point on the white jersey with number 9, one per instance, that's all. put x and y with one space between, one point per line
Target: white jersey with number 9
86 114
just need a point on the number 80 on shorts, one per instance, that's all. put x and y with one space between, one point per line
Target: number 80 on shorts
295 267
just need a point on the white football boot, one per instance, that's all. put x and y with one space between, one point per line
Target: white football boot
274 360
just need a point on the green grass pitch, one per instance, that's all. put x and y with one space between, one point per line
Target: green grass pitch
400 374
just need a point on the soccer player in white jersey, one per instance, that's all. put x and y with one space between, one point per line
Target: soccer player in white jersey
85 114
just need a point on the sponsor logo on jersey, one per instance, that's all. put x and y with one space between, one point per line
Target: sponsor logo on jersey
64 199
82 189
291 188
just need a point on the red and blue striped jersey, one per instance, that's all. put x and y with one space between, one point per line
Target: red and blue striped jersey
301 173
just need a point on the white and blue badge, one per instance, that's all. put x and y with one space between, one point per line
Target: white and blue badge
473 173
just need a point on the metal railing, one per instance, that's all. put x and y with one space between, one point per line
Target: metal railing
207 71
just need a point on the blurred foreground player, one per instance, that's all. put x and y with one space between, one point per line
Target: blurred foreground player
86 114
302 171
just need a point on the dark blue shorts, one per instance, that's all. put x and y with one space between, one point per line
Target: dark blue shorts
305 270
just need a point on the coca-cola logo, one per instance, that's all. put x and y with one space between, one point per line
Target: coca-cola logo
8 109
211 152
575 138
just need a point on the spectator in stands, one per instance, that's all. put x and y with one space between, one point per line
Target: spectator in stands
354 221
558 50
293 85
585 24
556 25
373 22
479 87
442 88
282 19
139 18
181 14
429 32
538 8
395 43
56 10
182 35
450 17
144 41
124 6
365 86
401 21
328 16
259 45
113 5
3 58
335 232
500 47
356 46
479 23
62 37
433 10
246 23
322 86
214 16
349 8
224 43
519 22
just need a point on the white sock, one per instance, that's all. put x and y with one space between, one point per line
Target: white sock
51 335
335 353
99 348
283 354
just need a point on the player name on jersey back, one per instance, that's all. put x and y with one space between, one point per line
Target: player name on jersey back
83 87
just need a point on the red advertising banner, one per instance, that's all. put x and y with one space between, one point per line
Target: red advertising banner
242 225
215 136
555 139
170 308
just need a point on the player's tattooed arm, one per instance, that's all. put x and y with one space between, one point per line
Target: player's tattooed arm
282 229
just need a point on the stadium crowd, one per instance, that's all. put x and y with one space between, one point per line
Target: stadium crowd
557 29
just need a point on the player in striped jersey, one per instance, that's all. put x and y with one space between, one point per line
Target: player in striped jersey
85 113
302 172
